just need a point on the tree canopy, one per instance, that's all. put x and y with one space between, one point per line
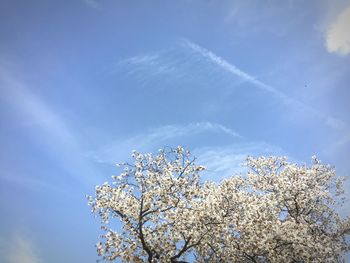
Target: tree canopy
278 212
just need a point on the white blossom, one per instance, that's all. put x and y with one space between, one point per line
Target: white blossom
278 212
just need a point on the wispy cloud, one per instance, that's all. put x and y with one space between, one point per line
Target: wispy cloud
19 249
154 64
221 160
147 59
159 137
144 67
296 104
34 113
171 131
338 33
224 161
33 109
27 181
189 63
252 17
92 3
230 67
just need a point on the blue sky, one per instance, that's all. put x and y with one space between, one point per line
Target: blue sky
82 83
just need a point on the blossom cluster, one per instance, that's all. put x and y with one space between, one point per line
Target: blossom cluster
278 212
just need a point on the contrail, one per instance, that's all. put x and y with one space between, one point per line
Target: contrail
229 67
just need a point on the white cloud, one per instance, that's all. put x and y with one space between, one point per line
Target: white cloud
167 132
341 144
222 162
230 67
164 61
158 63
28 181
254 17
33 109
158 138
338 34
34 114
170 131
154 64
330 121
92 3
147 59
19 249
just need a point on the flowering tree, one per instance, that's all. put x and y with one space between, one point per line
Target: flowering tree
278 212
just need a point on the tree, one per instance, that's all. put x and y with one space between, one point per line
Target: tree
278 212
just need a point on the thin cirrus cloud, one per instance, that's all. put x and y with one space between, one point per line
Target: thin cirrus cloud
328 120
188 62
48 126
228 160
221 160
167 135
338 34
171 131
175 64
92 3
33 110
19 248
